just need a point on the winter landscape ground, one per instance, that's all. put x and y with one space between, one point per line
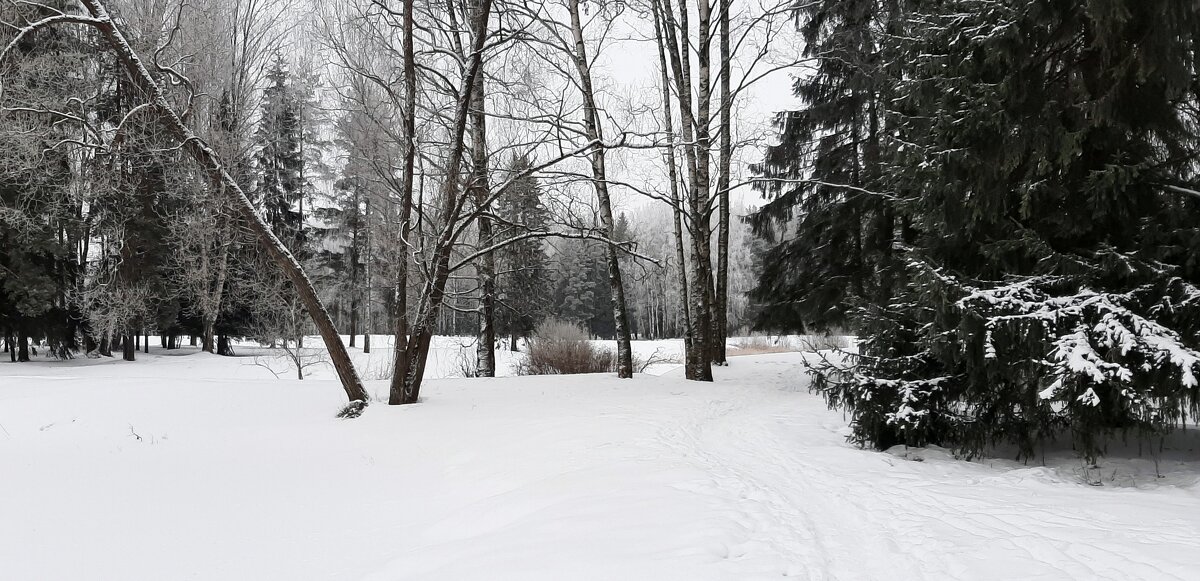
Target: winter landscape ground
194 466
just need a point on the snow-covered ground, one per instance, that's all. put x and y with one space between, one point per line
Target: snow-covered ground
192 466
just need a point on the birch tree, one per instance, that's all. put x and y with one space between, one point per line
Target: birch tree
96 15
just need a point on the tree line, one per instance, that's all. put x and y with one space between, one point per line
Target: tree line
228 168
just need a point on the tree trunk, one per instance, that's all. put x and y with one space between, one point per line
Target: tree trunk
209 160
128 347
694 128
485 347
146 343
724 157
410 364
212 301
367 282
210 323
677 210
594 132
22 346
400 391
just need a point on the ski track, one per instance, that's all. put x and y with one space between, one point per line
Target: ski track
805 501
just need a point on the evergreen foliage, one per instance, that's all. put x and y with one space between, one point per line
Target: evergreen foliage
522 285
280 159
1038 279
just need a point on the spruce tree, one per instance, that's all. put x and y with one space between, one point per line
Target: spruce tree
523 291
1041 159
280 159
832 231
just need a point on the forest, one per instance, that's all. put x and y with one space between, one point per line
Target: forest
996 197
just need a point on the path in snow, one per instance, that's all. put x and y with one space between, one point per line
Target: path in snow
830 511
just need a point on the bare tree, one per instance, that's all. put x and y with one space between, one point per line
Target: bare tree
158 105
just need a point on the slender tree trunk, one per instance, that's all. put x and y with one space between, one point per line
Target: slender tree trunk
367 282
146 343
353 320
209 160
128 347
400 392
485 347
594 132
724 158
355 249
677 209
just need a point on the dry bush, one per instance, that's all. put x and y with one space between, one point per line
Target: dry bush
762 344
561 348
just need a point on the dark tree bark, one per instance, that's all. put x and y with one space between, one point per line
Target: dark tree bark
402 389
724 157
128 347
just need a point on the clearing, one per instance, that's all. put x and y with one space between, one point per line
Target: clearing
193 466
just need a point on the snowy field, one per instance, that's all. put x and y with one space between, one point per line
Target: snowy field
191 466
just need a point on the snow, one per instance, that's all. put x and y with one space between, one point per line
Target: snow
193 466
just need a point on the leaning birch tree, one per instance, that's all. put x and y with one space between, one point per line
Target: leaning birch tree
156 103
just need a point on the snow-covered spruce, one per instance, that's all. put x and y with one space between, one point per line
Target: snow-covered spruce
1025 362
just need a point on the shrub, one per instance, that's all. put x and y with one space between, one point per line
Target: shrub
562 348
